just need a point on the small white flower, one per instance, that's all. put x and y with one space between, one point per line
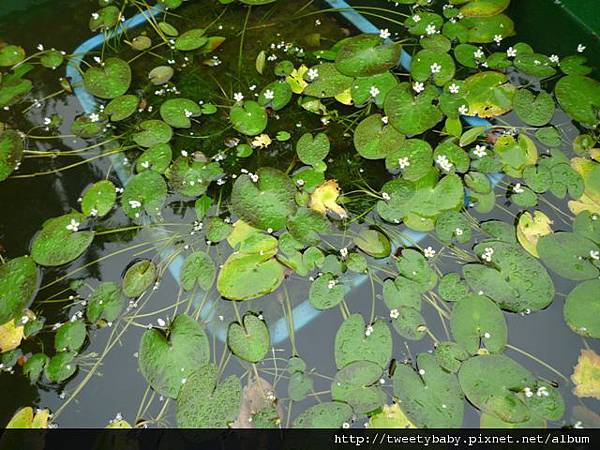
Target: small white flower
93 212
498 38
416 18
487 335
385 196
238 96
458 231
345 425
555 59
595 254
418 87
511 52
478 54
344 252
487 254
580 48
374 91
73 226
187 113
385 120
480 151
312 74
369 331
421 371
518 189
454 88
528 392
317 22
403 162
184 153
95 16
435 68
394 313
331 284
47 120
430 29
384 33
94 117
161 322
463 110
429 252
134 204
444 163
40 47
269 94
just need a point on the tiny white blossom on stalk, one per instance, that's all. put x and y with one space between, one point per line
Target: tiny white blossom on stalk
384 33
498 38
430 29
429 252
269 94
403 162
73 226
374 91
555 59
480 151
511 52
369 331
344 252
444 163
394 313
416 18
580 48
385 196
463 110
238 96
518 189
312 74
458 231
595 254
94 117
435 68
487 254
418 87
454 88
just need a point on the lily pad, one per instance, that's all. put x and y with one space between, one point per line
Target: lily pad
374 243
18 283
166 360
266 203
122 107
535 111
61 367
153 132
312 150
324 415
476 319
106 303
191 40
579 97
198 270
352 343
177 112
70 336
11 55
364 55
139 277
433 64
430 397
375 140
499 392
11 152
489 94
358 385
568 255
59 241
109 81
582 309
326 293
192 177
329 82
205 403
147 192
248 118
249 340
410 114
99 199
156 158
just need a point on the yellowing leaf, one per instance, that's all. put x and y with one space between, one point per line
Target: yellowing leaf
25 418
262 141
590 200
585 203
345 97
324 198
587 375
296 79
531 228
390 417
10 336
261 59
595 154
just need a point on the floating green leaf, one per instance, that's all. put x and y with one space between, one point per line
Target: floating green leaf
99 199
249 340
18 283
198 270
582 309
248 118
355 342
358 385
109 81
139 277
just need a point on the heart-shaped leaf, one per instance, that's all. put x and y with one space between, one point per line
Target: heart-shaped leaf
198 270
109 81
250 340
355 342
248 118
18 283
139 277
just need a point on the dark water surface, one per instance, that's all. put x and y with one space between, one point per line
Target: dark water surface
118 386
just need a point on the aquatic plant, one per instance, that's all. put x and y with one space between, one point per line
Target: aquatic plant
262 173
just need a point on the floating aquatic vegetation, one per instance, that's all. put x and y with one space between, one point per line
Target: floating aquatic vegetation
265 181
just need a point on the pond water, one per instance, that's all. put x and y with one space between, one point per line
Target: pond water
108 380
